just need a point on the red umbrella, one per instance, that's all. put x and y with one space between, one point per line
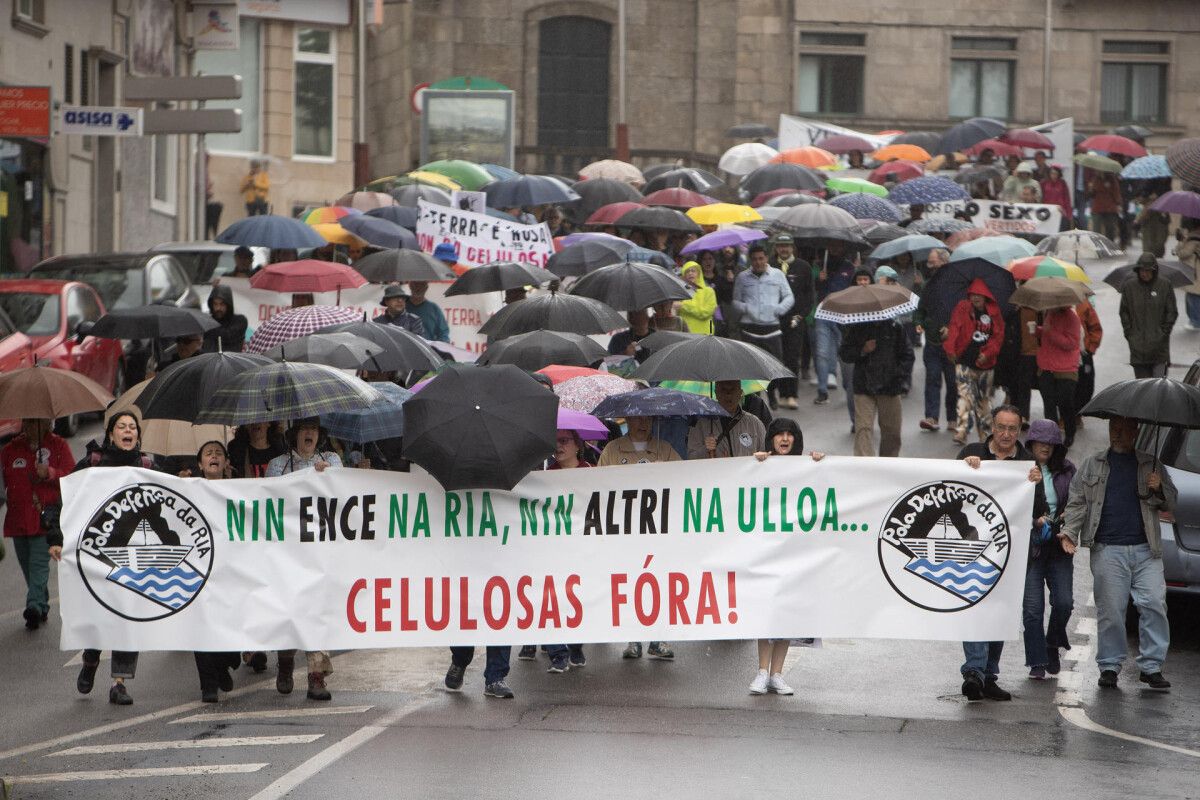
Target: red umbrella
843 143
305 276
677 198
1024 137
1111 143
609 214
1000 148
557 373
900 170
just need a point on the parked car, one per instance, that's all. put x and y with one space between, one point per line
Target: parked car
51 314
203 261
16 351
1179 451
127 280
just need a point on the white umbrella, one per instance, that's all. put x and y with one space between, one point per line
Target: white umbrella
613 170
742 159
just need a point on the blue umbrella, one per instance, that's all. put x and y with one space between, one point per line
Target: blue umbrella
867 206
500 173
927 189
658 403
384 420
380 232
270 230
528 190
918 244
404 216
1146 168
998 250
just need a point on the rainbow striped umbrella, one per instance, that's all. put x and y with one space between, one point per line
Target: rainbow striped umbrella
1024 269
327 214
706 388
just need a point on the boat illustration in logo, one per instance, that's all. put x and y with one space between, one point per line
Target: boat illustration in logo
155 570
950 536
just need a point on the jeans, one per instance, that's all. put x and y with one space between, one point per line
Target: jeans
1191 303
1058 399
867 407
34 559
124 664
938 371
496 667
1150 370
983 659
1119 571
825 357
1050 569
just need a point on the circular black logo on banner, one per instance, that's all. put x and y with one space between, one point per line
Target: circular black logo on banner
944 545
146 553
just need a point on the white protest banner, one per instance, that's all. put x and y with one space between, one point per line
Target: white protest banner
1000 216
845 547
480 239
1062 133
801 132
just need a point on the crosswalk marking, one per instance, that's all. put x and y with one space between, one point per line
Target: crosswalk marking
188 744
17 781
280 713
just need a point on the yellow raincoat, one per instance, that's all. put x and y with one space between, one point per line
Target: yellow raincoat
697 313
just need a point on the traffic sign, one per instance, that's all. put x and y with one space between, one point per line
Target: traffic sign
203 120
200 87
100 120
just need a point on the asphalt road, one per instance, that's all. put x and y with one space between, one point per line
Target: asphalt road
868 718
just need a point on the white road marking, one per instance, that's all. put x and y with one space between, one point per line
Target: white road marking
188 744
332 754
77 659
278 713
1086 627
18 781
1079 718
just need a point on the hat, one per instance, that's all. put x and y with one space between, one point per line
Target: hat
393 291
784 238
1045 431
886 272
445 252
1147 260
1026 166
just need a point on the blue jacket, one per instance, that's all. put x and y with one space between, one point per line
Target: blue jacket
762 299
436 328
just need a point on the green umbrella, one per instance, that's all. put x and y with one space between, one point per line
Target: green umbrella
467 174
1098 163
469 82
852 185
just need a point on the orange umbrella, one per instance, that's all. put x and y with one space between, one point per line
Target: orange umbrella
810 156
901 152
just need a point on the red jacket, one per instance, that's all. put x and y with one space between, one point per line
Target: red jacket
1058 341
1058 193
19 462
963 326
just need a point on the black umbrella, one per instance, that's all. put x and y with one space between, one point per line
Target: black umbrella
480 427
404 216
582 258
1135 132
949 284
660 339
340 349
876 232
711 358
750 130
181 390
400 351
553 311
967 133
287 390
499 276
538 349
658 218
631 286
1178 273
822 224
596 192
152 322
409 195
697 180
782 176
654 170
926 140
379 232
402 266
1155 401
528 190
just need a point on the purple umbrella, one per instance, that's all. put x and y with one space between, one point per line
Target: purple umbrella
1184 203
587 426
728 237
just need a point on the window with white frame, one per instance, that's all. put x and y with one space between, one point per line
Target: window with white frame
829 77
244 61
315 117
162 172
1133 81
981 76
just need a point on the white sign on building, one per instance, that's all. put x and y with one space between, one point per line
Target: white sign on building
100 120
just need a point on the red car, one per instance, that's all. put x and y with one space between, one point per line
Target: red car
47 314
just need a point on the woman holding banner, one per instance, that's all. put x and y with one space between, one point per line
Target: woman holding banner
213 668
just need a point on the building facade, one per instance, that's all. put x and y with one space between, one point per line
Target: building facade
692 69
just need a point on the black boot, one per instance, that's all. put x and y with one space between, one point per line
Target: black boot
283 681
87 677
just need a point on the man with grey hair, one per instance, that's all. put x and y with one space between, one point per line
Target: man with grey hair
938 368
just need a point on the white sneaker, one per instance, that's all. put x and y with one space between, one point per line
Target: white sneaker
831 382
775 684
812 381
760 683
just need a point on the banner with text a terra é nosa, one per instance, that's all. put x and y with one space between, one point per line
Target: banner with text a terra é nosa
845 547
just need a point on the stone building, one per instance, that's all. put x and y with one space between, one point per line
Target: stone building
694 68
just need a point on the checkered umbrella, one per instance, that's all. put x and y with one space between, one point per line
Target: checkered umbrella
294 323
866 206
1184 159
381 421
289 390
927 189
